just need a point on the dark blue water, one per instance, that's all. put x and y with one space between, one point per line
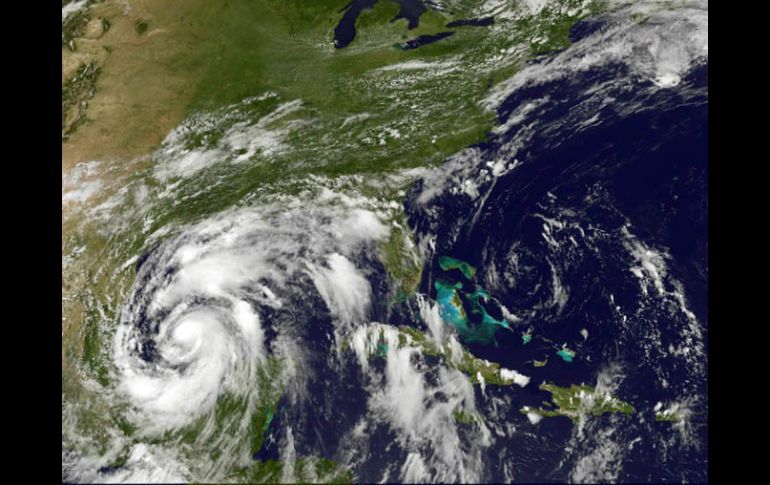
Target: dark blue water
635 169
638 166
586 28
423 40
411 10
345 31
480 22
641 167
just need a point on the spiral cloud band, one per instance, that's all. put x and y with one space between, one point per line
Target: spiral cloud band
192 330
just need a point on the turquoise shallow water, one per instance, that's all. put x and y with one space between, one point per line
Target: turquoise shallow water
467 312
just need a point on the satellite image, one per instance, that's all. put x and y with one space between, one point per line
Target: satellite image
384 241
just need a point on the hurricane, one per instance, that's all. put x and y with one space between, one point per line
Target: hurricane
470 246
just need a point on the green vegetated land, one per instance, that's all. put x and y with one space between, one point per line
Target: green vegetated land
369 109
578 400
477 369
